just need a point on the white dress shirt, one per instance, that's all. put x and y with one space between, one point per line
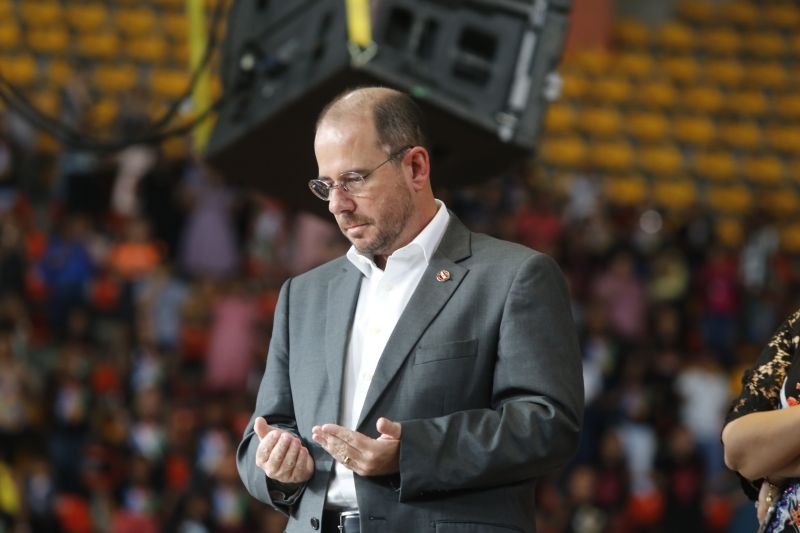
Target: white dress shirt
382 298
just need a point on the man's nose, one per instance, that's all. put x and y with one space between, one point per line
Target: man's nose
339 201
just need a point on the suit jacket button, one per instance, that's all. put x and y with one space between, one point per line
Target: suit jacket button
315 523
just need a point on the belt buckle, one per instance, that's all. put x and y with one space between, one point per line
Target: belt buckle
343 516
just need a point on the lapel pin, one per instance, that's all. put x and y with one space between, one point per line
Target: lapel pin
442 275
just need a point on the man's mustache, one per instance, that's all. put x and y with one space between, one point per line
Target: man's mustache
348 221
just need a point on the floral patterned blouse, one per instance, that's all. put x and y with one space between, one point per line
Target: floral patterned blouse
774 383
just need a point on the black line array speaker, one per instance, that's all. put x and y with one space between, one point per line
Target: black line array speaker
482 70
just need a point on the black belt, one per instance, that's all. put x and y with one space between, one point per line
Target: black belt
341 522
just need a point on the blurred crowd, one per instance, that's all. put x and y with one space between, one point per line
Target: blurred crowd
136 298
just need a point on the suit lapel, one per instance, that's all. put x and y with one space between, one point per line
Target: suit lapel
342 298
427 301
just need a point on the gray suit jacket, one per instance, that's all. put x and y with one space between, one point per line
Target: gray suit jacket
483 371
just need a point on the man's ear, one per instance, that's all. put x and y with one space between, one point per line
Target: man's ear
420 164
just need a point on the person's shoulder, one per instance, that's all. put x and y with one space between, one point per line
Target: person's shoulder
499 250
794 320
790 329
324 271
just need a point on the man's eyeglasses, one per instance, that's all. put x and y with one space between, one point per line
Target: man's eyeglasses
350 182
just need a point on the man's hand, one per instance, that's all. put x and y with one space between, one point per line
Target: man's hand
361 454
281 455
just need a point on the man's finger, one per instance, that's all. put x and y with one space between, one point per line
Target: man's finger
265 447
290 460
336 447
388 429
278 452
261 427
342 433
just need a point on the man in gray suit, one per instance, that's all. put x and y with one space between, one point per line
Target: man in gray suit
427 379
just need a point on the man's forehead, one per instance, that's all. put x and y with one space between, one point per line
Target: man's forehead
346 131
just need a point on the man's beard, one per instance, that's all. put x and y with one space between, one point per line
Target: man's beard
392 225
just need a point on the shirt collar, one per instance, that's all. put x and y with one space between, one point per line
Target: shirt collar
424 244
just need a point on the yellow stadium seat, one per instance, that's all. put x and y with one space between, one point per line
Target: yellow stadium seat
179 53
681 69
716 165
702 99
764 44
721 41
660 160
782 201
635 65
19 69
169 83
739 13
600 122
694 130
747 103
148 49
115 78
104 113
730 199
135 22
647 126
657 94
609 89
676 37
171 4
698 12
740 135
9 35
763 169
100 45
567 151
790 238
725 72
51 41
574 84
40 13
630 33
47 101
674 194
626 190
175 26
57 72
560 118
86 17
613 156
784 139
787 106
46 144
770 75
175 148
594 61
157 108
729 231
781 15
793 167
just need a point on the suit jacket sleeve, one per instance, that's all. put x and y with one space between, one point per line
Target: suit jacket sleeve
274 403
532 423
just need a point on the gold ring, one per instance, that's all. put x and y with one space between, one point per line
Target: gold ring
346 460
